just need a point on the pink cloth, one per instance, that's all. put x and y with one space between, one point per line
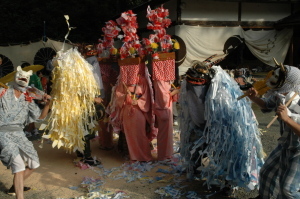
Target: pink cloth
129 73
164 70
164 119
134 118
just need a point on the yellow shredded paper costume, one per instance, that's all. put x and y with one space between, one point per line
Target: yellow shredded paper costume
72 114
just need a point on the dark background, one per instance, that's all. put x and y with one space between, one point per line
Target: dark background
24 21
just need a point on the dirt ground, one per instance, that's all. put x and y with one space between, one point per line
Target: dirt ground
58 177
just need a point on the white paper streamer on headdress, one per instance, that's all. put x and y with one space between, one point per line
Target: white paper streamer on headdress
69 30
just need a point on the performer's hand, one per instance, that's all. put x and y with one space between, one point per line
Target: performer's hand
282 112
98 100
128 99
46 98
174 92
251 92
134 102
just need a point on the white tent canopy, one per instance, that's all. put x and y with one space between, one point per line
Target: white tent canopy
202 42
26 52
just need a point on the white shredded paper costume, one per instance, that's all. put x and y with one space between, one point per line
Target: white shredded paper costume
73 112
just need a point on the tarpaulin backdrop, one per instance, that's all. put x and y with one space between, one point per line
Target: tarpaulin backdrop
26 52
202 42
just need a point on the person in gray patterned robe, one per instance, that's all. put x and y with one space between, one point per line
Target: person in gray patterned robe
280 174
17 109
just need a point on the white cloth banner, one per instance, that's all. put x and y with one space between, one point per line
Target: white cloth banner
202 42
26 52
268 44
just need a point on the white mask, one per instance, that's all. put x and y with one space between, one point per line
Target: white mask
273 80
277 79
22 77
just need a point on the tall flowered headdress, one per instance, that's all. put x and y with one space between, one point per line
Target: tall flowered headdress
158 22
106 45
131 46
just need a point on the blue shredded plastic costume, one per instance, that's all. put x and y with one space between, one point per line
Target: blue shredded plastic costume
225 145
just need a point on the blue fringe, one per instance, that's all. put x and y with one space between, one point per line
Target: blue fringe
234 147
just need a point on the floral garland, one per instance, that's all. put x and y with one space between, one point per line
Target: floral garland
159 41
131 46
111 31
159 21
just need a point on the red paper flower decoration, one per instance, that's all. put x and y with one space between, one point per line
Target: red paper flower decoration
158 23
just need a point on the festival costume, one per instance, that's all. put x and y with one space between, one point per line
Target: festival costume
133 117
87 153
164 119
159 46
109 74
106 49
226 134
163 73
73 114
192 121
135 110
97 73
14 114
280 175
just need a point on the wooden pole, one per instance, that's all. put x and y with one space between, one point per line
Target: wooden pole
3 85
242 96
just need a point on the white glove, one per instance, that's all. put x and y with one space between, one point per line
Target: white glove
294 106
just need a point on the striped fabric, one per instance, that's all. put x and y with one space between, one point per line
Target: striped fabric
280 175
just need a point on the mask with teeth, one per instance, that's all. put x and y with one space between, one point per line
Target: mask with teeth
22 77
